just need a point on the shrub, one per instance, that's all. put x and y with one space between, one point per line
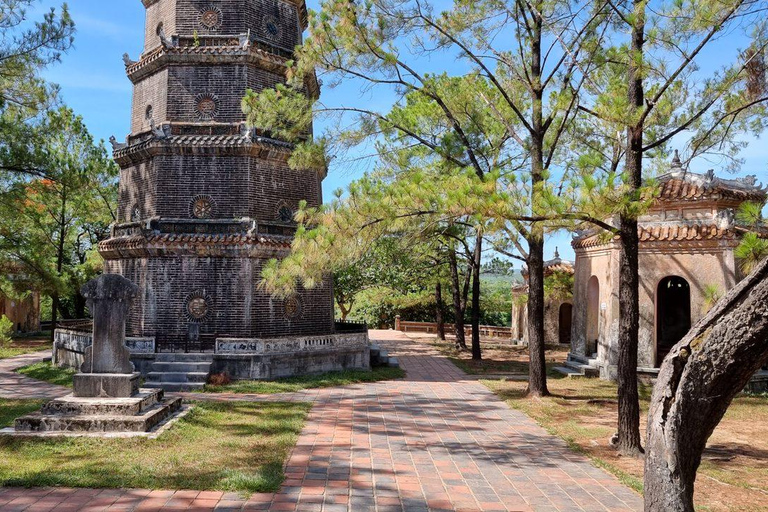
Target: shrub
6 329
219 379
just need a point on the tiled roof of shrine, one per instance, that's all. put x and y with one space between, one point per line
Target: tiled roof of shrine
681 184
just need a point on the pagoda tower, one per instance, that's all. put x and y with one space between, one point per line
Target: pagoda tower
205 201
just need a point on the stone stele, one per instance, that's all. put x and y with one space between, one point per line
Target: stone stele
107 370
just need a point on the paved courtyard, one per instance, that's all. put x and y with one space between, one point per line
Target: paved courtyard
431 442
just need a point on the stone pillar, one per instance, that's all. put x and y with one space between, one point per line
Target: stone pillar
397 322
107 370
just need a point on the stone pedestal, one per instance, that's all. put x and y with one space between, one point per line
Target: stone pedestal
107 370
106 384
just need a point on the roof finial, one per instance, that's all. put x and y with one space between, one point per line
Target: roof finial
557 254
676 161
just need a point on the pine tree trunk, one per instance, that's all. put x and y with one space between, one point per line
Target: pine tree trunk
477 261
696 384
629 301
537 377
54 314
439 311
458 308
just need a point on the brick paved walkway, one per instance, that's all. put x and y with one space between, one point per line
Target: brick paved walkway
432 442
14 385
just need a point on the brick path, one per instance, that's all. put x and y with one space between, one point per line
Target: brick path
14 385
432 442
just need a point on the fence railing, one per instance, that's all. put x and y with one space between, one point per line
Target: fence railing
488 331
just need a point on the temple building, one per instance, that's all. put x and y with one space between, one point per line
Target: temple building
558 307
686 259
22 310
205 201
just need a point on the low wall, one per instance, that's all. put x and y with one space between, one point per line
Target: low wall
268 358
69 347
488 331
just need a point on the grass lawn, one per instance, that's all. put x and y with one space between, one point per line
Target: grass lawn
49 373
734 472
234 446
25 345
293 384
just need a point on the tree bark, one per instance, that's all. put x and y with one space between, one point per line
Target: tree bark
696 384
537 375
439 311
476 262
629 301
458 304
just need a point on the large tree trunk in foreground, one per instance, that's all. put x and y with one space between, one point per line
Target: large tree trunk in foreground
629 301
696 384
458 304
537 375
439 311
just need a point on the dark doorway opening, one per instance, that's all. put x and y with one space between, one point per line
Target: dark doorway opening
566 313
673 314
593 315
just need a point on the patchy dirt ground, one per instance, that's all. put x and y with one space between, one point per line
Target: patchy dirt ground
734 471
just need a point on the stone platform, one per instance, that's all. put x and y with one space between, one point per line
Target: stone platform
70 415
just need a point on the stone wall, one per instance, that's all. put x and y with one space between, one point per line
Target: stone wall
237 308
244 187
69 347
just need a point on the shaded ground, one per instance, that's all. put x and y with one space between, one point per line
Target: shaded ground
734 472
499 359
434 441
294 384
238 446
25 345
48 372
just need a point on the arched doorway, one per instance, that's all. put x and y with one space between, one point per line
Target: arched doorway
566 314
673 314
593 314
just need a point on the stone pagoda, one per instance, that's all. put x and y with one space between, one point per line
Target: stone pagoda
205 201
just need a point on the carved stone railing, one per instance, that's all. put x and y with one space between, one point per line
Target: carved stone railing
69 346
256 346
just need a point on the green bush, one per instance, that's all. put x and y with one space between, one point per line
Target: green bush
6 329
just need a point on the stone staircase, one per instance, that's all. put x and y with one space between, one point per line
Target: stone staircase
578 366
179 372
137 414
380 357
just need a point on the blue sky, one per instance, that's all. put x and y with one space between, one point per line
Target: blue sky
93 82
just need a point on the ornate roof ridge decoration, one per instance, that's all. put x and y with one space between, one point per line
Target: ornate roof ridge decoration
681 183
556 264
670 232
235 46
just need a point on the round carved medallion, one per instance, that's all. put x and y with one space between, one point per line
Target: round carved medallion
292 307
285 214
198 307
202 207
206 106
210 18
272 27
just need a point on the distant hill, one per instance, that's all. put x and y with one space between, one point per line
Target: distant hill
508 278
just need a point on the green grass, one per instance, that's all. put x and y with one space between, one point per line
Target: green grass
47 372
233 446
12 409
20 347
294 384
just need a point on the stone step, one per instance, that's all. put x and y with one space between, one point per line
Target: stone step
175 386
568 372
181 367
177 377
132 406
180 357
144 422
393 362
